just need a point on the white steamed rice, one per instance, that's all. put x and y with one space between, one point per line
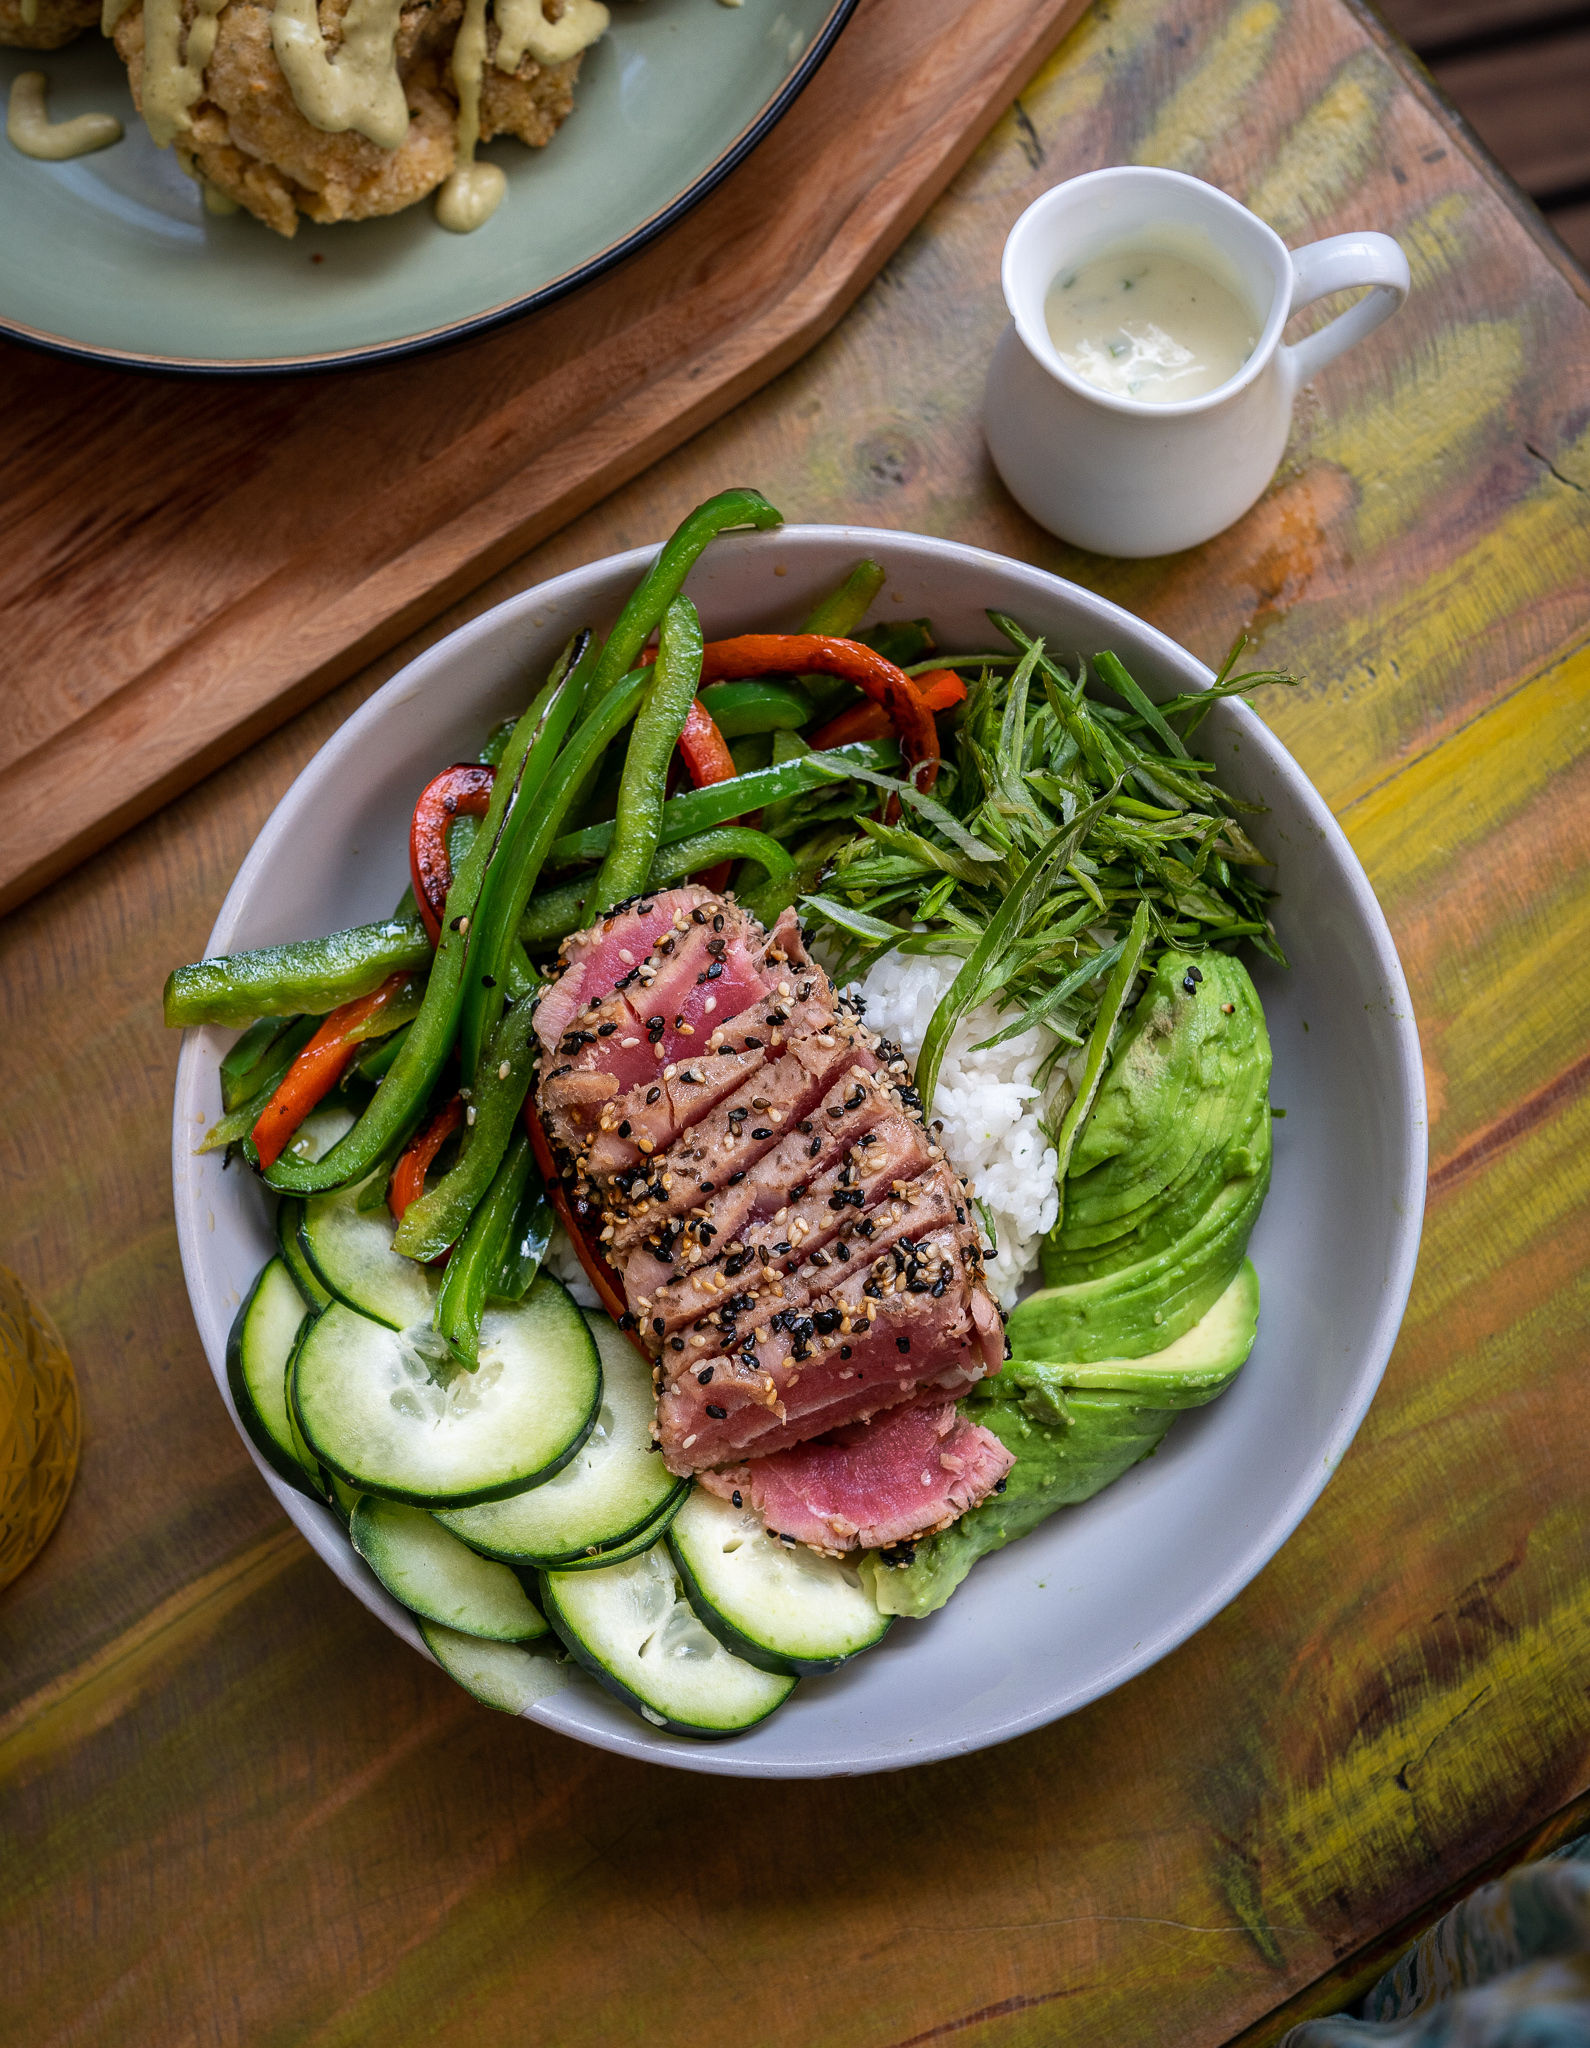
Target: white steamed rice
989 1102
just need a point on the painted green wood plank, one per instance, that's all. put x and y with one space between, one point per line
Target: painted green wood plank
236 1810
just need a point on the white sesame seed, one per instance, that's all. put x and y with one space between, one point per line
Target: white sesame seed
503 1071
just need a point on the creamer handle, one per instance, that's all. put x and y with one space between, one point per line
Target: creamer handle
1343 263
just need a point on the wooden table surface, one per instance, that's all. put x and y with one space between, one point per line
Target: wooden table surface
233 1809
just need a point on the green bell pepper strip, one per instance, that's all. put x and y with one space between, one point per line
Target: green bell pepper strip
843 610
239 1079
556 912
675 680
558 797
661 584
478 1259
267 1077
840 613
501 904
441 1215
528 1239
698 810
377 1058
741 709
400 1101
305 975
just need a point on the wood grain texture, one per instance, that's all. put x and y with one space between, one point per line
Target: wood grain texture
252 544
234 1810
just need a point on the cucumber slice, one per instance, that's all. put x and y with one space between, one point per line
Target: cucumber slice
342 1499
258 1352
610 1494
779 1606
390 1413
633 1630
318 1132
350 1252
631 1546
500 1675
436 1576
289 1211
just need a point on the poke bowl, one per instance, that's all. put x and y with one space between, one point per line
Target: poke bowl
1100 1590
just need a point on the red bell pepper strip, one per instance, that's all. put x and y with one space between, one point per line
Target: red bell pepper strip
706 754
408 1176
582 1220
317 1070
939 690
462 791
760 654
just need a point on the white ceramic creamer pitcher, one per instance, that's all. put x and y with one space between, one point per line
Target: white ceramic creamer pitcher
1125 476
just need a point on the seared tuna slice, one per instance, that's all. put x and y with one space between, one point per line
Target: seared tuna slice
651 1116
782 1259
716 1152
597 959
911 1471
919 1314
814 1147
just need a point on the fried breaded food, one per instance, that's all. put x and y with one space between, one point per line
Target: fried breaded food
532 102
249 140
53 22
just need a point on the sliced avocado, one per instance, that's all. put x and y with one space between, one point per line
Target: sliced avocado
1189 1371
1179 1114
1074 1429
1057 1465
1145 1306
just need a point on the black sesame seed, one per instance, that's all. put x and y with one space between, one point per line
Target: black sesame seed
716 1412
735 1497
704 1378
676 1343
902 1343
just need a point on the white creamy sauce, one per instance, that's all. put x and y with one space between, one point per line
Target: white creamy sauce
357 86
471 194
30 129
174 63
1146 325
524 30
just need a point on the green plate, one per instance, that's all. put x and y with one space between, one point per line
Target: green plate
113 257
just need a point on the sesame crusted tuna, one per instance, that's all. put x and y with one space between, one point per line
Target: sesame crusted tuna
797 1255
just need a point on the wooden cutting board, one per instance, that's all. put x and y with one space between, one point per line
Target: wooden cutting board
186 564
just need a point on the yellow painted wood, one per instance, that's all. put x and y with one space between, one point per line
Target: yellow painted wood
233 1809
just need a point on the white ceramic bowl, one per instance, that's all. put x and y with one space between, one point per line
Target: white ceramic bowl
1103 1590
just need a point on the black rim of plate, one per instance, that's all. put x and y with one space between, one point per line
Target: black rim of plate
755 131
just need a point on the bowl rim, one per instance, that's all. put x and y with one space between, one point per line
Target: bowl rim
449 332
325 1533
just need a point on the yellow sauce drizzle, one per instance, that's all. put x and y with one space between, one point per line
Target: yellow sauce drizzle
174 77
524 29
471 194
356 88
30 129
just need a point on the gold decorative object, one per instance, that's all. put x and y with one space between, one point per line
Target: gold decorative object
39 1426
